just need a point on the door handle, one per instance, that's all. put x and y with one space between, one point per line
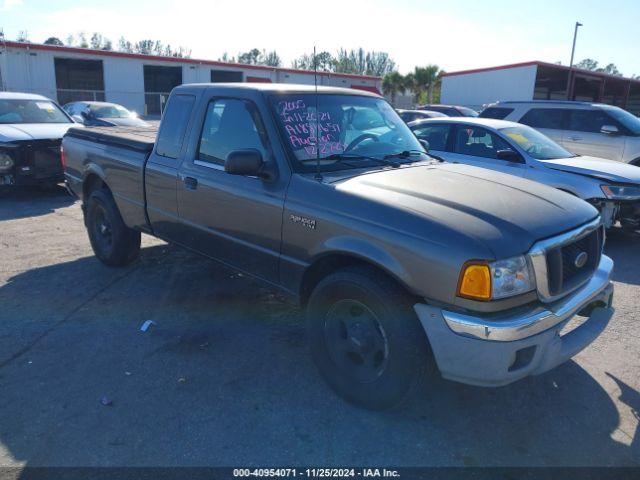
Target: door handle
575 139
190 183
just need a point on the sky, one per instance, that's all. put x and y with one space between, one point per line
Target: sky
453 34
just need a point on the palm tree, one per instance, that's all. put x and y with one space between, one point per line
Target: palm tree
392 84
421 80
431 76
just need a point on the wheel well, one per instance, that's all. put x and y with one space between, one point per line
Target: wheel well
328 264
91 183
635 162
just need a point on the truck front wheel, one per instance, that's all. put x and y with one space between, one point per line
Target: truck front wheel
365 337
112 241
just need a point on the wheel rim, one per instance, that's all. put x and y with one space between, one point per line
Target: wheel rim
102 231
356 340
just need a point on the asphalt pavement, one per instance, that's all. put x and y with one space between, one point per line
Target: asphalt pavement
223 376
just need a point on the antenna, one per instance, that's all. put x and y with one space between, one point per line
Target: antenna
315 81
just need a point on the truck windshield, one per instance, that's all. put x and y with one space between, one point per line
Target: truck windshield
535 143
364 129
31 111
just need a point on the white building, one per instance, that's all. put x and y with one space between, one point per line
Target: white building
139 82
538 81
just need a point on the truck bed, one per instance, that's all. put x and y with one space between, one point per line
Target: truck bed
140 139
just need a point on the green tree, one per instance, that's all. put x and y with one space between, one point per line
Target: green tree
590 64
587 64
226 58
392 84
53 41
423 81
82 40
361 62
96 41
125 45
324 61
249 58
271 59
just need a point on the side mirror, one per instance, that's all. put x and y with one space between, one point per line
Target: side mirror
509 156
425 144
247 162
609 130
77 119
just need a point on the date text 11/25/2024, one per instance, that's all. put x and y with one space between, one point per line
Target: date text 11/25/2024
316 473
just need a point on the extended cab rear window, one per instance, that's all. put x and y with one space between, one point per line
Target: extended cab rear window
497 113
174 124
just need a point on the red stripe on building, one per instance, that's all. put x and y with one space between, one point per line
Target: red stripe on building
258 80
366 88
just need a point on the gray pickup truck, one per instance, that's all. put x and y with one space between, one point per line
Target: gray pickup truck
399 260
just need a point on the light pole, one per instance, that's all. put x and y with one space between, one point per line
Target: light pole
573 51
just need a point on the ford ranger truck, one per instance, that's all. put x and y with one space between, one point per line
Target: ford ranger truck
401 261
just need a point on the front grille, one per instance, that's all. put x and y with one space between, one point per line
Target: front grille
564 272
46 160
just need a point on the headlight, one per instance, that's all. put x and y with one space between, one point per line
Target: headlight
6 162
621 192
495 280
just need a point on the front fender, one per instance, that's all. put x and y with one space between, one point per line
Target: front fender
364 250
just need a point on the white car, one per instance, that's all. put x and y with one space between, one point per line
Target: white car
31 130
583 128
508 147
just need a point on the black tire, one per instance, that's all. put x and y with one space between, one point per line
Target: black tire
365 338
112 241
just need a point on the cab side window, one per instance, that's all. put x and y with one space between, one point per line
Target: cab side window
173 125
478 142
230 124
436 135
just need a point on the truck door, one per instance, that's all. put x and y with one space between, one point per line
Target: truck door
161 170
235 219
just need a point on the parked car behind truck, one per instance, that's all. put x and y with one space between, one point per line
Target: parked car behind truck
103 114
583 128
612 187
31 129
388 250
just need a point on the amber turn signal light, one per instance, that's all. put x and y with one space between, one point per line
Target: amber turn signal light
475 282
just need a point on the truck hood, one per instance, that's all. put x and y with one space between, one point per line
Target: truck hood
609 170
505 213
34 131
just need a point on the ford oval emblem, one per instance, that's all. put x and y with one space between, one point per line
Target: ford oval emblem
581 259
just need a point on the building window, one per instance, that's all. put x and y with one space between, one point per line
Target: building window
79 80
158 83
225 76
551 83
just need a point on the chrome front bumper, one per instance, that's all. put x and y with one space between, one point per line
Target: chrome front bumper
507 329
500 350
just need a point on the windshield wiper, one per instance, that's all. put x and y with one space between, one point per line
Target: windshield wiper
409 153
340 157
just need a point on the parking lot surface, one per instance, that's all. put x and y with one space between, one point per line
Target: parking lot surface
224 378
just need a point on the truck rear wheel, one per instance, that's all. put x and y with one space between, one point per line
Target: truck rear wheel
365 338
112 241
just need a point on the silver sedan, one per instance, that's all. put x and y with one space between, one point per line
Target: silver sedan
509 147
